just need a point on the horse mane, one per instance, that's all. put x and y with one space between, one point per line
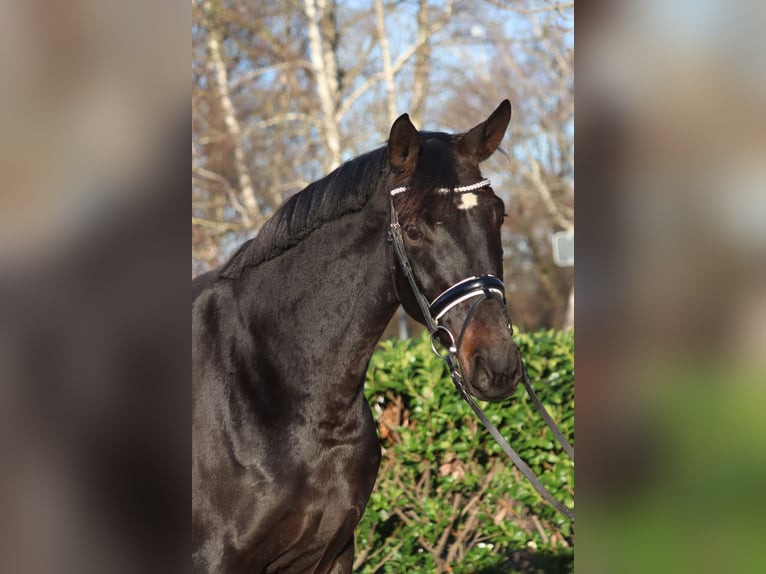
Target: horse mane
344 190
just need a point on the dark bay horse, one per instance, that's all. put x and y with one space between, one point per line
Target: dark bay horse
284 447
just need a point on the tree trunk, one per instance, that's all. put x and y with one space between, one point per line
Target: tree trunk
388 72
326 78
251 214
422 63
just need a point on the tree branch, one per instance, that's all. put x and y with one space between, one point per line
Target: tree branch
327 97
388 74
396 66
220 76
535 177
239 82
550 8
219 225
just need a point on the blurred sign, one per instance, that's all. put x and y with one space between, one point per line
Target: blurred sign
563 248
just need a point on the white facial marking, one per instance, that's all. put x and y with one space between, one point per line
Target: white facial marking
467 200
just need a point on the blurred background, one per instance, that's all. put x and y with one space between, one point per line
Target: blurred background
94 401
284 91
671 285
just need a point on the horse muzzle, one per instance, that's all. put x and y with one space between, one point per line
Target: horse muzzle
490 361
492 371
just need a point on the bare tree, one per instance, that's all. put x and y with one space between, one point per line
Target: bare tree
422 61
220 78
284 91
322 33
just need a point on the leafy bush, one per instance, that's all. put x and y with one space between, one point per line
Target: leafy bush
447 498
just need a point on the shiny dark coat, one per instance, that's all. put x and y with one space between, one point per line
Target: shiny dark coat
285 452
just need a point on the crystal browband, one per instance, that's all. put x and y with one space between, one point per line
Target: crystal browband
462 189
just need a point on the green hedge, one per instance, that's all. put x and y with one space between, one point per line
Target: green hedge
447 498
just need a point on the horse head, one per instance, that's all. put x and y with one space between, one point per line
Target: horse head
449 220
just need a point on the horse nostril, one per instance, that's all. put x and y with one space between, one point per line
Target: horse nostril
481 373
494 376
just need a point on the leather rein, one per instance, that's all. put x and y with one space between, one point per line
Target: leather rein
479 288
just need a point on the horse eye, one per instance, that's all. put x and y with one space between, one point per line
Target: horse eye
413 232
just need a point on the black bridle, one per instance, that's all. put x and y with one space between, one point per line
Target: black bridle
478 288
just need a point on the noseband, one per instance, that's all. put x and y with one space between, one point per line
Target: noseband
479 288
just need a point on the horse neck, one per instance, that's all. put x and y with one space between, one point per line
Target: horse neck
319 309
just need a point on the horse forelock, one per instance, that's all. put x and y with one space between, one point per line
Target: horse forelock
437 169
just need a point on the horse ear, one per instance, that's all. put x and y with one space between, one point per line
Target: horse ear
481 141
403 145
